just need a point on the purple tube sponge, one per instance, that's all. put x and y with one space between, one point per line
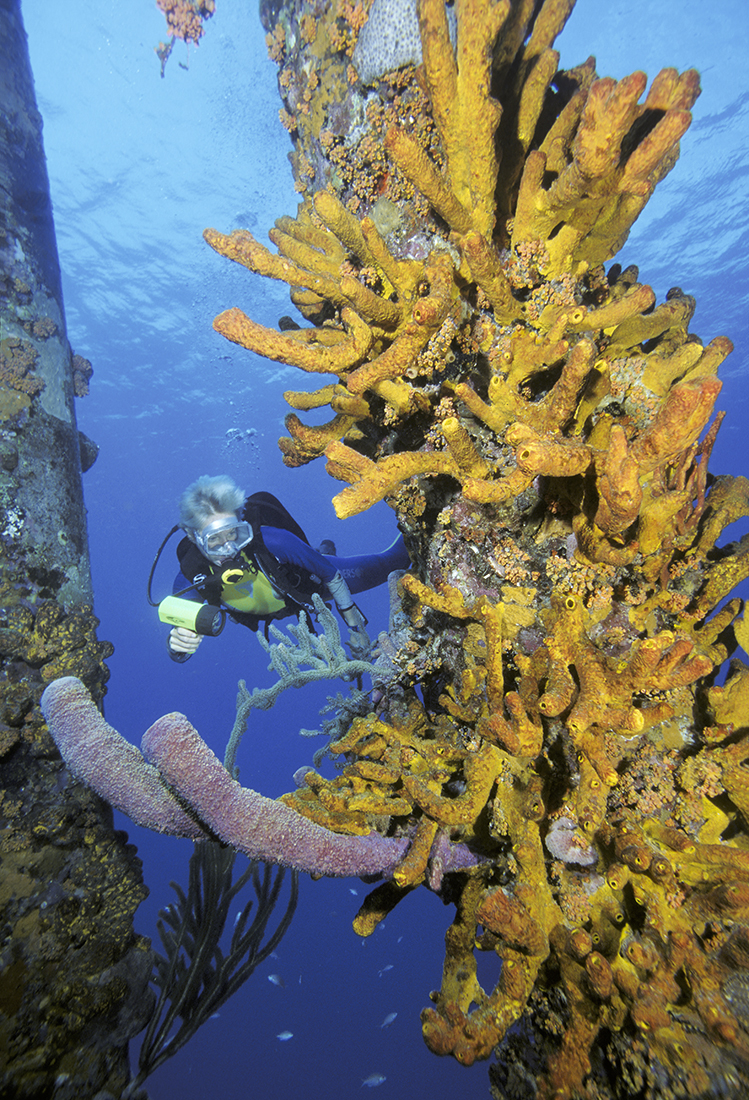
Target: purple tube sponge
258 826
105 761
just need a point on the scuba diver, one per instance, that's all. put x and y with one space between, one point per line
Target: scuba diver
249 557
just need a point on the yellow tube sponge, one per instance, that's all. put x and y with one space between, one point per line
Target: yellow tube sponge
596 196
375 480
618 485
308 442
465 113
304 353
537 454
242 247
462 449
684 414
550 745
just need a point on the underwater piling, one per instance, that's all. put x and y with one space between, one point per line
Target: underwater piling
42 518
73 973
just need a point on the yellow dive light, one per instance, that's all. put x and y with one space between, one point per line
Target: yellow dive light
203 618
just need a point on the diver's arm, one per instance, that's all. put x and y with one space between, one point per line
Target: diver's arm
358 639
290 550
364 571
334 573
361 572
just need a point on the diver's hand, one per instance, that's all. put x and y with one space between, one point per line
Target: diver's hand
358 639
359 644
182 640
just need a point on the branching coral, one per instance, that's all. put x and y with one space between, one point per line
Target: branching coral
299 659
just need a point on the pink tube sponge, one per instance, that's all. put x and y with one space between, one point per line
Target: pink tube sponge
258 826
108 763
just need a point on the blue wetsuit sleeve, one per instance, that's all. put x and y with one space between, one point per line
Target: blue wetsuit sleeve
289 549
360 573
370 570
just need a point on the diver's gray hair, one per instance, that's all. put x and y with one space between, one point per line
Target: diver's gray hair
207 496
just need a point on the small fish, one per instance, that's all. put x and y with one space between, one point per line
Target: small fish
215 1016
374 1080
351 890
381 972
388 1019
284 1036
276 979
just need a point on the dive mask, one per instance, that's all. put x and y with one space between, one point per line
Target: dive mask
223 539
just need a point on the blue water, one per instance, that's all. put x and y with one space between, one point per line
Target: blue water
139 166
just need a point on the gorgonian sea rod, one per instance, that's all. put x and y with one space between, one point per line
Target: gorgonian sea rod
546 695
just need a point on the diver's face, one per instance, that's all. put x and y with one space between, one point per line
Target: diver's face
222 537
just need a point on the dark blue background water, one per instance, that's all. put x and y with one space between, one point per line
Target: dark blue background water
139 166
